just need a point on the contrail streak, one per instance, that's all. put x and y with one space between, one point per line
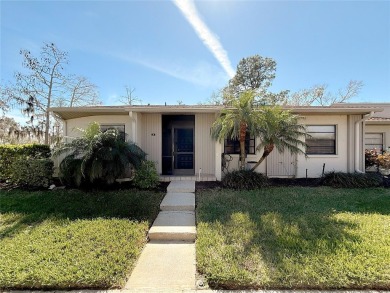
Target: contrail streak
211 41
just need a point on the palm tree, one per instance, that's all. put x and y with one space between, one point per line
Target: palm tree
97 156
234 122
281 129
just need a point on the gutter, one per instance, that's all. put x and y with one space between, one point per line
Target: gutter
357 140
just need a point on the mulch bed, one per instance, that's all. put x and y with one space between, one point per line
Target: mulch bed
280 182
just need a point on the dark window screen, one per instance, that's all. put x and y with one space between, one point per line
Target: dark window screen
322 140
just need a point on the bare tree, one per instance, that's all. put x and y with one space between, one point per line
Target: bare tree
129 98
45 84
36 90
318 95
4 98
80 92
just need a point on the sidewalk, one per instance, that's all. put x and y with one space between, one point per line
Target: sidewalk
150 290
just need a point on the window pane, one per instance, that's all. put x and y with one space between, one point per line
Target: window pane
320 128
233 146
119 128
322 140
322 135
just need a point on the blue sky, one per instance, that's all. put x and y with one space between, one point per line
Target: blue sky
170 51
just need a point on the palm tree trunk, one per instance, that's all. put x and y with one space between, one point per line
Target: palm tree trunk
267 150
242 145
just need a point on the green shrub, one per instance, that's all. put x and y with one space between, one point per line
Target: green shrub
244 179
32 172
97 157
352 180
10 153
146 175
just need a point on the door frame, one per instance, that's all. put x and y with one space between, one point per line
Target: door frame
174 153
169 123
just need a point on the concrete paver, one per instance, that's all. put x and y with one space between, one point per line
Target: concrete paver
164 265
178 202
174 225
181 186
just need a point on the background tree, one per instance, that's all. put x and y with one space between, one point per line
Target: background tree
234 122
44 84
318 95
255 73
129 98
11 132
278 128
4 98
79 92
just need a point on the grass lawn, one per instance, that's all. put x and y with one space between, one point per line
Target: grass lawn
72 239
319 238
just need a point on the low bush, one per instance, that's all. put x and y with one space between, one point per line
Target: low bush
32 172
244 179
11 153
146 176
97 157
352 180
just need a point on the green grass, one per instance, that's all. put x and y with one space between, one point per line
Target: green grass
319 238
71 239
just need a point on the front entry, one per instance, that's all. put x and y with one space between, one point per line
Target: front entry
178 145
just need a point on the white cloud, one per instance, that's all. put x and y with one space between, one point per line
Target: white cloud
203 73
188 9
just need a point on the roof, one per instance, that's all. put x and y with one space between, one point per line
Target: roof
67 113
378 120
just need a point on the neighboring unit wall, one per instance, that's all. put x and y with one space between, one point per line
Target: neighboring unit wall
204 144
151 138
73 124
384 129
338 162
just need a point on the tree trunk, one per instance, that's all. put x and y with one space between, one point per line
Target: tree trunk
242 145
267 150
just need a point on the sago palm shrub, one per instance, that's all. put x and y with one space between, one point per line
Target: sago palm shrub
97 157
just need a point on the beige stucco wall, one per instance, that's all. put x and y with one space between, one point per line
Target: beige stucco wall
338 162
384 129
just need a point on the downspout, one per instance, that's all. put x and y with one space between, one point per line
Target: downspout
357 141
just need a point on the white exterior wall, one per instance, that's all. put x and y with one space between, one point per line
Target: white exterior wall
204 144
83 122
338 162
384 129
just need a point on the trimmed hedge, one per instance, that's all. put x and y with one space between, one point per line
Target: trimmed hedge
32 172
352 180
26 162
244 179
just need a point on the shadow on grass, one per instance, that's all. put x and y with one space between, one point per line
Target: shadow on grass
295 235
34 207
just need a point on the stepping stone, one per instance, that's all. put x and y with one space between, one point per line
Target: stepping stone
178 202
181 186
172 225
167 265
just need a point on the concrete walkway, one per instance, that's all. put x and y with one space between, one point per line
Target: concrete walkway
168 261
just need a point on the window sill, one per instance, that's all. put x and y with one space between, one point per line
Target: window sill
322 156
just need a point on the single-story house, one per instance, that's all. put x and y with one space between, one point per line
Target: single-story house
177 138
